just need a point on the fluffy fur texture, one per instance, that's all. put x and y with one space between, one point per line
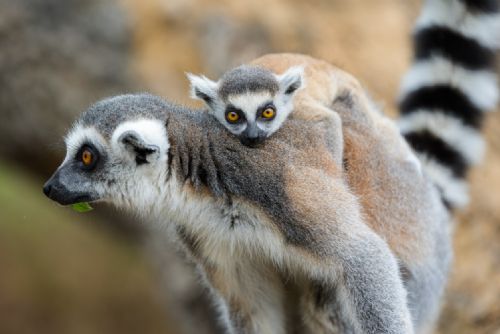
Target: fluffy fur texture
451 84
245 214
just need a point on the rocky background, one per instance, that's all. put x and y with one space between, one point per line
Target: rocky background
61 272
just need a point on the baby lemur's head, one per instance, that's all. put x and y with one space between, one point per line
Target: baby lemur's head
250 101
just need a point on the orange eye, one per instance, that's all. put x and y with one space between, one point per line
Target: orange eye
232 117
268 113
87 157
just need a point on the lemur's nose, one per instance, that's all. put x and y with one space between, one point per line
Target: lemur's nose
251 141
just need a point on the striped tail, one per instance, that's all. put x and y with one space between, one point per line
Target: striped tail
451 84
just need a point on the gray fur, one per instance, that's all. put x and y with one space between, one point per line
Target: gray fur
232 170
201 149
245 79
204 155
210 157
107 114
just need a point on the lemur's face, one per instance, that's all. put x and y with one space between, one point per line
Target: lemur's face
123 169
251 103
254 116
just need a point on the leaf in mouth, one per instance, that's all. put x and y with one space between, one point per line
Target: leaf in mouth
82 207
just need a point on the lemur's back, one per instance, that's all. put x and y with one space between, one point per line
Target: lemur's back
379 166
398 200
451 84
295 180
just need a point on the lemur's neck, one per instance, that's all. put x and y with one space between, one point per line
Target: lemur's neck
192 135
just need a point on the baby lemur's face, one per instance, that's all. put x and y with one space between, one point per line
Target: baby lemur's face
251 102
253 116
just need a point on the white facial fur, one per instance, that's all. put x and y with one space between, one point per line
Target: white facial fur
142 184
150 131
79 136
121 179
249 103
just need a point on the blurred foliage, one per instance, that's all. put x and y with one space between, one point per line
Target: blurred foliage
61 274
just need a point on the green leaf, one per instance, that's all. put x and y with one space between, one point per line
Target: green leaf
82 207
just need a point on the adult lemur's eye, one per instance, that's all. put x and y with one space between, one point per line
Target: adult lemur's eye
88 156
232 117
268 113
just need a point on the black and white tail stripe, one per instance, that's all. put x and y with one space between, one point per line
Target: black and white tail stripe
450 85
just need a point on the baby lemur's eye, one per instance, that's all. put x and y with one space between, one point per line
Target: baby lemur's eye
88 156
233 115
268 113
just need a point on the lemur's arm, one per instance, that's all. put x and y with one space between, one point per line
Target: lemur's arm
249 294
253 296
344 255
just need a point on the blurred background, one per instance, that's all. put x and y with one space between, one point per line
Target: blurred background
63 272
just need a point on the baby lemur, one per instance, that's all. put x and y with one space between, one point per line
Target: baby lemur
252 101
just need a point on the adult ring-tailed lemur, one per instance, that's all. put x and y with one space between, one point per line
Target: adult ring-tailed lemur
333 217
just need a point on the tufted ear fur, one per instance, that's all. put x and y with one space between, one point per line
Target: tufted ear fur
141 151
291 80
203 88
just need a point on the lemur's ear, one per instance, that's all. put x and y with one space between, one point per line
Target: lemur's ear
203 88
141 151
291 80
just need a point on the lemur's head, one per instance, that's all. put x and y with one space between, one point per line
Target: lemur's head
114 152
250 101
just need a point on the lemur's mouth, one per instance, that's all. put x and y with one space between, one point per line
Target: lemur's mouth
66 198
83 198
57 192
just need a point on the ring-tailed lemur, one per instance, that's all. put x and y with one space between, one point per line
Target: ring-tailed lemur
258 220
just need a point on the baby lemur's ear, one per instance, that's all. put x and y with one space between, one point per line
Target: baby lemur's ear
203 88
291 80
